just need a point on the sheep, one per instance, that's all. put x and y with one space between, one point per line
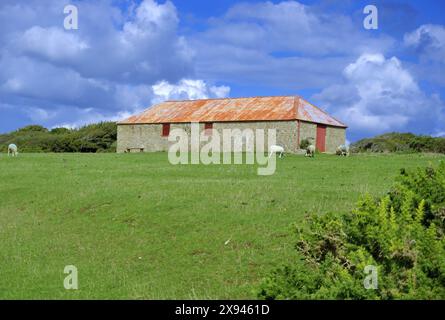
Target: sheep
12 150
276 149
342 150
310 151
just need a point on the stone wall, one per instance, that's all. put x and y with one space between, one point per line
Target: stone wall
148 137
286 131
308 130
334 137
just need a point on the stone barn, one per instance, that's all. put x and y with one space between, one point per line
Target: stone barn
293 118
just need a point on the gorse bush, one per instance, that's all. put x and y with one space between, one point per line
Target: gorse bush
401 234
100 137
427 185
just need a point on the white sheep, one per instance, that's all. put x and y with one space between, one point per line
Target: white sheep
12 150
342 150
310 151
276 149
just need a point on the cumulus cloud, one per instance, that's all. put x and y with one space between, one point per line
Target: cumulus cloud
378 94
292 26
52 43
188 89
428 40
286 45
119 61
138 44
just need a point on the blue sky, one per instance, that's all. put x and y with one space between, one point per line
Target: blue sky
127 55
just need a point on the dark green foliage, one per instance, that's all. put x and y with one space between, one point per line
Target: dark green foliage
402 234
60 130
426 185
400 142
33 128
100 137
304 143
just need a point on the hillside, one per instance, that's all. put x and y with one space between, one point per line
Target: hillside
400 142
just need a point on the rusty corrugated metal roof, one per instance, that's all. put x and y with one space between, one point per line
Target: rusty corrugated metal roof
234 109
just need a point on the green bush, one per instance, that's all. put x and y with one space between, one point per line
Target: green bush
33 128
400 142
60 130
401 234
100 137
304 143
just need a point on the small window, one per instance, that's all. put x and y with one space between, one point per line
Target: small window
208 127
165 129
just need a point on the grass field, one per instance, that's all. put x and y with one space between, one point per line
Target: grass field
137 227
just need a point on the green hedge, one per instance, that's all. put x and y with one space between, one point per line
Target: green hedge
100 137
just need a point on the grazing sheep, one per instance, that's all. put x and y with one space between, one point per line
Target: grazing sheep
310 151
12 150
342 150
276 149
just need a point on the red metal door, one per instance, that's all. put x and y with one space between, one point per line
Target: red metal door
321 138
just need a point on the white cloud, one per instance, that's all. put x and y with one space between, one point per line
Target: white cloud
105 70
52 43
138 46
292 26
40 115
285 45
428 44
150 18
187 89
428 40
378 95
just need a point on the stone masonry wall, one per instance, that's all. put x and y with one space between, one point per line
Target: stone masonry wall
308 131
334 137
149 136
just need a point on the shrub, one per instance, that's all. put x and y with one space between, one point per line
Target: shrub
401 234
33 128
400 142
61 130
92 138
428 185
304 143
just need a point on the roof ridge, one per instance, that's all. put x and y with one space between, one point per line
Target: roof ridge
230 98
296 106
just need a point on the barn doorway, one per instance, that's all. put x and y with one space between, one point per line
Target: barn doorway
321 138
